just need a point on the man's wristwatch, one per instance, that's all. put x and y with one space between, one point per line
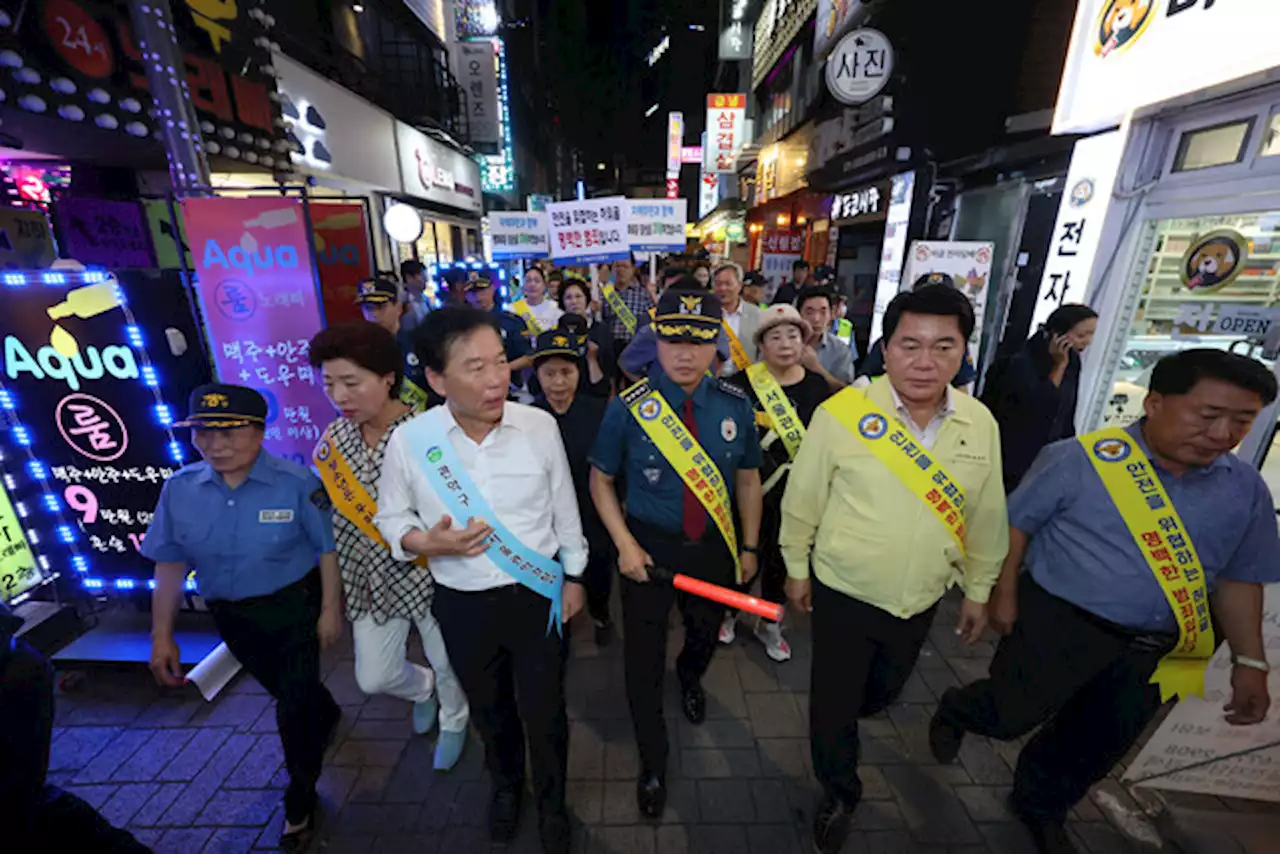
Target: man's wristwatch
750 550
573 579
1251 663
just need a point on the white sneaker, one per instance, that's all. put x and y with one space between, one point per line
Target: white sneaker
775 645
729 629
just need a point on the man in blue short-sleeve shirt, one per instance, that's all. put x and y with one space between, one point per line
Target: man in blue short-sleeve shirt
666 525
1086 623
256 529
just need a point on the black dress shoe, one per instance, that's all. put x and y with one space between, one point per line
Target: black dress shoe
1049 835
504 814
554 831
651 796
694 702
831 825
298 841
945 737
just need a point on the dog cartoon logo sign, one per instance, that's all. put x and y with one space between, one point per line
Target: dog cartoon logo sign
1213 261
1120 24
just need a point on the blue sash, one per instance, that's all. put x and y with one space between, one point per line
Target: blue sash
462 500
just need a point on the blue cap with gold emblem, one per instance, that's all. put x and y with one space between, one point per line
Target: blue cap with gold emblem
377 292
685 314
217 406
558 342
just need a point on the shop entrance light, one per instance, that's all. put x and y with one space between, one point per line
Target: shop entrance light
403 223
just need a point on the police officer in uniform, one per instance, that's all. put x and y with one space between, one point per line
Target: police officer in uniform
257 531
379 302
667 525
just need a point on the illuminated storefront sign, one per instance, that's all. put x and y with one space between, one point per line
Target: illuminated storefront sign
675 137
726 131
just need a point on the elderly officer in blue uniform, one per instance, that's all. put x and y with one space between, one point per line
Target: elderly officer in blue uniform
257 531
676 429
1107 532
380 303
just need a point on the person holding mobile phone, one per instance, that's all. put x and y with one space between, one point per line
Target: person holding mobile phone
1033 393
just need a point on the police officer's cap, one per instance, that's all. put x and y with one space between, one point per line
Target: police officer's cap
217 406
377 291
934 279
479 283
558 342
754 277
686 312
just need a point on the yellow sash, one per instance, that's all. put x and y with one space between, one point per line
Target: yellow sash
347 493
412 394
1152 520
913 465
619 308
695 466
521 308
781 415
736 351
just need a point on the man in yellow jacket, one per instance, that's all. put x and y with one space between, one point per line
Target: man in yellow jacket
896 494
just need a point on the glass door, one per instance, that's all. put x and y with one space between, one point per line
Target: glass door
1206 281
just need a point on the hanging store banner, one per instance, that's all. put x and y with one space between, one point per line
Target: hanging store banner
708 194
654 225
1127 54
675 140
88 49
257 289
896 226
343 256
519 234
726 133
967 262
589 231
477 71
1091 177
104 233
26 242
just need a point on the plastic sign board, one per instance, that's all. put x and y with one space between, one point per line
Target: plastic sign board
708 194
967 262
780 248
726 133
1078 229
675 140
691 154
656 225
895 242
518 234
589 231
1127 54
477 71
673 188
860 66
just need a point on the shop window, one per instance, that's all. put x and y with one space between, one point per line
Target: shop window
1271 137
1219 145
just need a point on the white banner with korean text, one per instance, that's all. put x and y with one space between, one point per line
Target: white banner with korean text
657 225
589 231
519 234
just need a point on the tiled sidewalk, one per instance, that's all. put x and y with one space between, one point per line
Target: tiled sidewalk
189 776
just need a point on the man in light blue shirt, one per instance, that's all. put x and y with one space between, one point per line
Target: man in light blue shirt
1087 623
257 531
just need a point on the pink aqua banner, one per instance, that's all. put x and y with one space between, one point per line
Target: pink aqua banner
257 291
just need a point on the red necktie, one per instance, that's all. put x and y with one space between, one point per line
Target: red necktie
694 516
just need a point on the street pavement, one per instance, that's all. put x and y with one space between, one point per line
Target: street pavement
189 776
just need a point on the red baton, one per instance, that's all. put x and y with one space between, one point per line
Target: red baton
724 595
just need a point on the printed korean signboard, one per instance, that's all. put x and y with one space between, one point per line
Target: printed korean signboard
656 225
257 288
726 130
589 231
518 234
780 249
967 262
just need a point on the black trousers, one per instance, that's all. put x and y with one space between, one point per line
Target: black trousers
646 609
602 566
862 657
37 816
274 638
773 571
512 669
1085 679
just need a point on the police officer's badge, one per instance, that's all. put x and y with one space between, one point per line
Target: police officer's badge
652 475
1111 450
729 429
320 499
412 359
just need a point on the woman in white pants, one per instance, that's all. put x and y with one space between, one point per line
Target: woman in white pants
363 367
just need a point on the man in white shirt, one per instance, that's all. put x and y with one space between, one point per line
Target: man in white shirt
481 488
740 317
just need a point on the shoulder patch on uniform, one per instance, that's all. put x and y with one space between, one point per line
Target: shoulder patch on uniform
320 499
729 388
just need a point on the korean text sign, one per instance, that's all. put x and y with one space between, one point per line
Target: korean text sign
780 248
104 233
518 234
589 231
257 291
726 129
84 392
657 225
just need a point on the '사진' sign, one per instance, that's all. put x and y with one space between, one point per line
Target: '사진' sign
258 292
